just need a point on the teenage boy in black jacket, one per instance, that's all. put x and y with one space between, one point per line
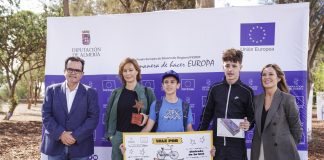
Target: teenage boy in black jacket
230 99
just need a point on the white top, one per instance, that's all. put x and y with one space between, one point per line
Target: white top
70 95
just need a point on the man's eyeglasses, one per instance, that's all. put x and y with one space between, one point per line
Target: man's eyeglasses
71 70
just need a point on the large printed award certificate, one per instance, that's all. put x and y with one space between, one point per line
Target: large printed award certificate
168 145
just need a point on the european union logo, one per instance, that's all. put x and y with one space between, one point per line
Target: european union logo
257 34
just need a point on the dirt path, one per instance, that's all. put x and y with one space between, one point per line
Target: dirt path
22 113
20 137
316 145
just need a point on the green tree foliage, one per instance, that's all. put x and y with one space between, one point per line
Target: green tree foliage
2 80
22 41
319 78
7 6
319 71
32 82
316 41
54 9
89 7
83 7
22 89
316 33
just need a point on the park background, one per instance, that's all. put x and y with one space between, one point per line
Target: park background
23 46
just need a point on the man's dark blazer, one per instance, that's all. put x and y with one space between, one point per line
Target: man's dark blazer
82 120
282 128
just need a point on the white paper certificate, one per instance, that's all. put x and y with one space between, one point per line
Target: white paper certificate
229 128
168 145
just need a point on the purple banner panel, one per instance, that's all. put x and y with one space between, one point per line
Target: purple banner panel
194 89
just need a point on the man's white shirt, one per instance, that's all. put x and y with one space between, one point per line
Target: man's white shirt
70 95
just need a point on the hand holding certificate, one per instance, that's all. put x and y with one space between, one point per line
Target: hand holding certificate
230 128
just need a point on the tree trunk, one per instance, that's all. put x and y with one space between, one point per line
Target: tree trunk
36 93
309 83
31 89
205 4
30 95
126 5
144 6
30 86
66 9
37 90
13 102
315 42
309 112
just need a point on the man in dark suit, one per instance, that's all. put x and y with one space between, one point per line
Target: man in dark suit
70 114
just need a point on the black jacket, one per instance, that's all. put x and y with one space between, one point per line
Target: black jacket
240 105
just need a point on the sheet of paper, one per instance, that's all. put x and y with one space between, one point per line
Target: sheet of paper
229 128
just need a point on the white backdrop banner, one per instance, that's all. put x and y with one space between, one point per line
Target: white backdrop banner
187 41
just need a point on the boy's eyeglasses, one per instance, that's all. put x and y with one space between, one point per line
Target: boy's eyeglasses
71 70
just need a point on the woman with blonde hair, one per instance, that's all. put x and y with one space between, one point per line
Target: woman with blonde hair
278 128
